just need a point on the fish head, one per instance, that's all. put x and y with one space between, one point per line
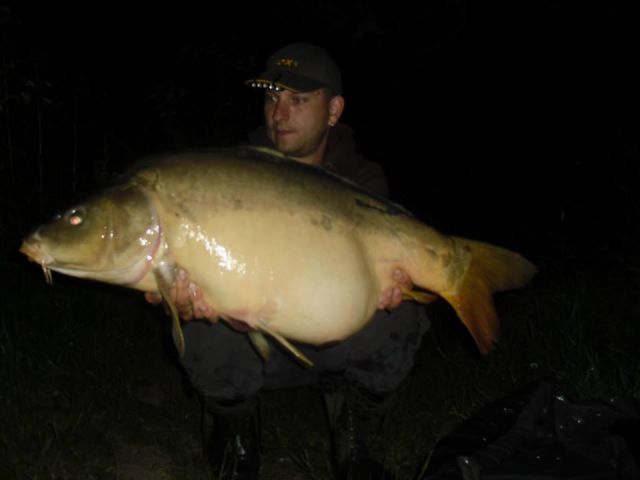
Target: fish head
110 237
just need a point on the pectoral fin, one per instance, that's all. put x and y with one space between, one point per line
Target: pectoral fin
260 343
419 296
286 344
164 274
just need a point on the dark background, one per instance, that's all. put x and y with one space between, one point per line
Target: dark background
506 121
514 122
510 122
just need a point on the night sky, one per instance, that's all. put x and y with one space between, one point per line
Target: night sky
499 120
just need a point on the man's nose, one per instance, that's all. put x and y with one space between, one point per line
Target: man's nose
280 111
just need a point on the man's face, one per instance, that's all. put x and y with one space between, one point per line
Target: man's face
298 123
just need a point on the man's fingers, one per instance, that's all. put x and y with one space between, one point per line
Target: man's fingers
206 312
188 299
392 297
182 287
402 279
383 302
153 297
396 298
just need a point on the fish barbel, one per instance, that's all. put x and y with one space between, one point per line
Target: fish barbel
289 249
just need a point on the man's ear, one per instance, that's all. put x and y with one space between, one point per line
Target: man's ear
336 107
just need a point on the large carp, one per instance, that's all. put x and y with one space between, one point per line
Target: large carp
289 249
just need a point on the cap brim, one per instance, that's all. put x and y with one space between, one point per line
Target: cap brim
286 80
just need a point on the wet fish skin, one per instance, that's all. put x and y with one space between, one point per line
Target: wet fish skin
289 249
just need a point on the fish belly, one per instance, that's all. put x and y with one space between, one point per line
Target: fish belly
301 275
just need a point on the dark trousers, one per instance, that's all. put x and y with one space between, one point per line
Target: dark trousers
223 365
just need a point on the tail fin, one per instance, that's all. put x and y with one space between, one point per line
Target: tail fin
491 269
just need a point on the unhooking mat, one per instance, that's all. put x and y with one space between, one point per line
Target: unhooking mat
538 434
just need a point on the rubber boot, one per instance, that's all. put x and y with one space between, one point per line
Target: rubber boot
353 425
234 449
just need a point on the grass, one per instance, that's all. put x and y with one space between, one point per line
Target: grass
91 388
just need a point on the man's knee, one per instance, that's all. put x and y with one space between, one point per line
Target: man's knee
385 367
220 362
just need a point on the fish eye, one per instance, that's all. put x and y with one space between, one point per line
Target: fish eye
75 216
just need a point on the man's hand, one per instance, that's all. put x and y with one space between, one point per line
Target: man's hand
188 299
392 297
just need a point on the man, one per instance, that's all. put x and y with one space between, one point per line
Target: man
302 108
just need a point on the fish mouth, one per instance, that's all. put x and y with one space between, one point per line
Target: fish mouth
131 274
36 255
48 264
32 252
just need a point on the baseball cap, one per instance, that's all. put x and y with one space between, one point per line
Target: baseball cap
299 67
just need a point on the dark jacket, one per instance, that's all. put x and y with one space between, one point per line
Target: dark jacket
341 158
